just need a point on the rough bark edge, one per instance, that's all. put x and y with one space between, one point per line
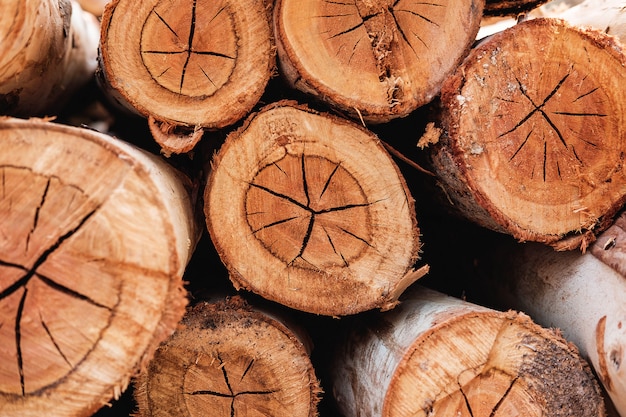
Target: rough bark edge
236 304
464 194
510 7
177 294
389 299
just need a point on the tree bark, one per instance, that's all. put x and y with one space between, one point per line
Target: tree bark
375 60
48 51
195 64
533 128
228 358
310 211
510 7
581 294
435 355
94 238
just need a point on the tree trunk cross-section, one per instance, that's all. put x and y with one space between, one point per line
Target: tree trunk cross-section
90 265
309 210
376 59
191 63
48 51
230 359
435 355
534 133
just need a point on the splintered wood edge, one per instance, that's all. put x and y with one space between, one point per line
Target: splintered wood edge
219 338
93 382
452 161
396 68
294 281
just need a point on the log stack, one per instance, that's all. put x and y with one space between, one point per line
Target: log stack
256 250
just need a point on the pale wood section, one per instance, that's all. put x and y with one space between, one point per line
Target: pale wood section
94 238
48 51
435 355
533 128
375 60
605 15
228 358
309 210
581 294
190 64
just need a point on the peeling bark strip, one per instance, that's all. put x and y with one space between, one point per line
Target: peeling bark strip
192 63
534 133
377 59
48 51
434 355
581 294
309 210
510 7
230 359
90 257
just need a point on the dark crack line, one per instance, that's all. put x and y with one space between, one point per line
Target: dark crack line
207 76
276 223
501 400
53 340
18 339
565 113
344 32
245 372
37 211
401 31
330 177
192 30
306 239
419 15
586 94
165 23
346 231
341 208
72 293
467 404
280 195
305 184
521 146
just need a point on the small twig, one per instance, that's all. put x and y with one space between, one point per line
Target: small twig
403 158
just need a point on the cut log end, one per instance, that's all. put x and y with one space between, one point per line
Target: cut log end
435 355
309 210
200 63
227 358
534 123
378 60
91 265
511 367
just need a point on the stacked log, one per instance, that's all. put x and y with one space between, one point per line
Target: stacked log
582 294
435 355
48 52
230 358
322 231
186 67
531 133
373 60
95 237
